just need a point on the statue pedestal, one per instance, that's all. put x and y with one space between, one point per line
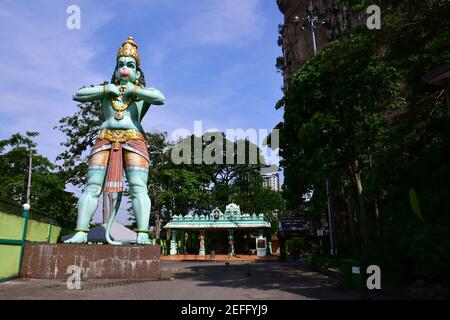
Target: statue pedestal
91 261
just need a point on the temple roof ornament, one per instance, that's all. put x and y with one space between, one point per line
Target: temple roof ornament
216 214
232 208
231 219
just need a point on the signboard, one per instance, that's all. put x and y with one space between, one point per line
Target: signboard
293 224
320 233
261 243
356 270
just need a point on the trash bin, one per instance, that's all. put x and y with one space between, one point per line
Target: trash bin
352 274
213 255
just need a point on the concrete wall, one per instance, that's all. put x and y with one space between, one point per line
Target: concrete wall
9 261
11 228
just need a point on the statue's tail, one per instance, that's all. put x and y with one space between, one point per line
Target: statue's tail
111 221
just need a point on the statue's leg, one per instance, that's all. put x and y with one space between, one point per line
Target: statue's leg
88 202
136 170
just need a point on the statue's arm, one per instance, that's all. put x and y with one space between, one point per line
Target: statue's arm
88 94
95 93
151 96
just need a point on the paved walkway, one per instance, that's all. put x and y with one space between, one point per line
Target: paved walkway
218 257
193 281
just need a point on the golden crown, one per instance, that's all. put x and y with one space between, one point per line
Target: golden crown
129 49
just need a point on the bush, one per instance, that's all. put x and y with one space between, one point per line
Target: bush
296 246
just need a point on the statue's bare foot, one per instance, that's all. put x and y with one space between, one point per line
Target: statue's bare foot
142 238
79 237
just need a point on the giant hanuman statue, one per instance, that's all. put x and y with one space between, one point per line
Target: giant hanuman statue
121 146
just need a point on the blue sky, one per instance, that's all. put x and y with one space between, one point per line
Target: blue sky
214 60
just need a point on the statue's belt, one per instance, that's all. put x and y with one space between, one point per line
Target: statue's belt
120 136
117 141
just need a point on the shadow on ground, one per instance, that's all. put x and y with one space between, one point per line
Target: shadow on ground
265 276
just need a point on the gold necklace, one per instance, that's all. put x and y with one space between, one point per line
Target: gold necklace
118 115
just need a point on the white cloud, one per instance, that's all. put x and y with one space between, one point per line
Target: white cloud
43 64
208 23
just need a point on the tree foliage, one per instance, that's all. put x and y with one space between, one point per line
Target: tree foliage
48 197
188 187
338 123
81 130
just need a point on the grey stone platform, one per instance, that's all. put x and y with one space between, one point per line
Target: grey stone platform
94 261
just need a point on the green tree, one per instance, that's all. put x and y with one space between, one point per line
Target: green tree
48 195
338 122
81 130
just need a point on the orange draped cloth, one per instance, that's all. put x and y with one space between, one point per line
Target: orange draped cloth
114 181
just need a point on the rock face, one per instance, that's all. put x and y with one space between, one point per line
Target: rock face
297 45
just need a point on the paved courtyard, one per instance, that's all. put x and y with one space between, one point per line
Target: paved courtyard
194 281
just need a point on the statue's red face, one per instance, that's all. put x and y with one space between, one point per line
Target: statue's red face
126 70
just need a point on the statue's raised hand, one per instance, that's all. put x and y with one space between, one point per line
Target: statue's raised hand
130 91
112 90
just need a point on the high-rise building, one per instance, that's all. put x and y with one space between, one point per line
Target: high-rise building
272 181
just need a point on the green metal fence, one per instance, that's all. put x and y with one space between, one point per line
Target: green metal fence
14 231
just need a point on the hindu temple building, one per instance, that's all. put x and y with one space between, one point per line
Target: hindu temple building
230 232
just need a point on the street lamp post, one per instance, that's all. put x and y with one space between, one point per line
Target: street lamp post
30 163
331 227
312 21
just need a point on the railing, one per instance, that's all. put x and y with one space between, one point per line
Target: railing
10 207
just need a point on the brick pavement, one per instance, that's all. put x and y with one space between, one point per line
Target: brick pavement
193 281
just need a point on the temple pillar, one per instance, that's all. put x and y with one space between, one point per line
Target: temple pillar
173 243
186 236
231 242
201 251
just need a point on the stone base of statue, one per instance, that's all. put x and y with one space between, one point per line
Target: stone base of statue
90 261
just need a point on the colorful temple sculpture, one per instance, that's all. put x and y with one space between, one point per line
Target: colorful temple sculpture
229 232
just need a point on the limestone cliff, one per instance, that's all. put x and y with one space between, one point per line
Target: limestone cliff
297 45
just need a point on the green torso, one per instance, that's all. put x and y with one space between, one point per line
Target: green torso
131 119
